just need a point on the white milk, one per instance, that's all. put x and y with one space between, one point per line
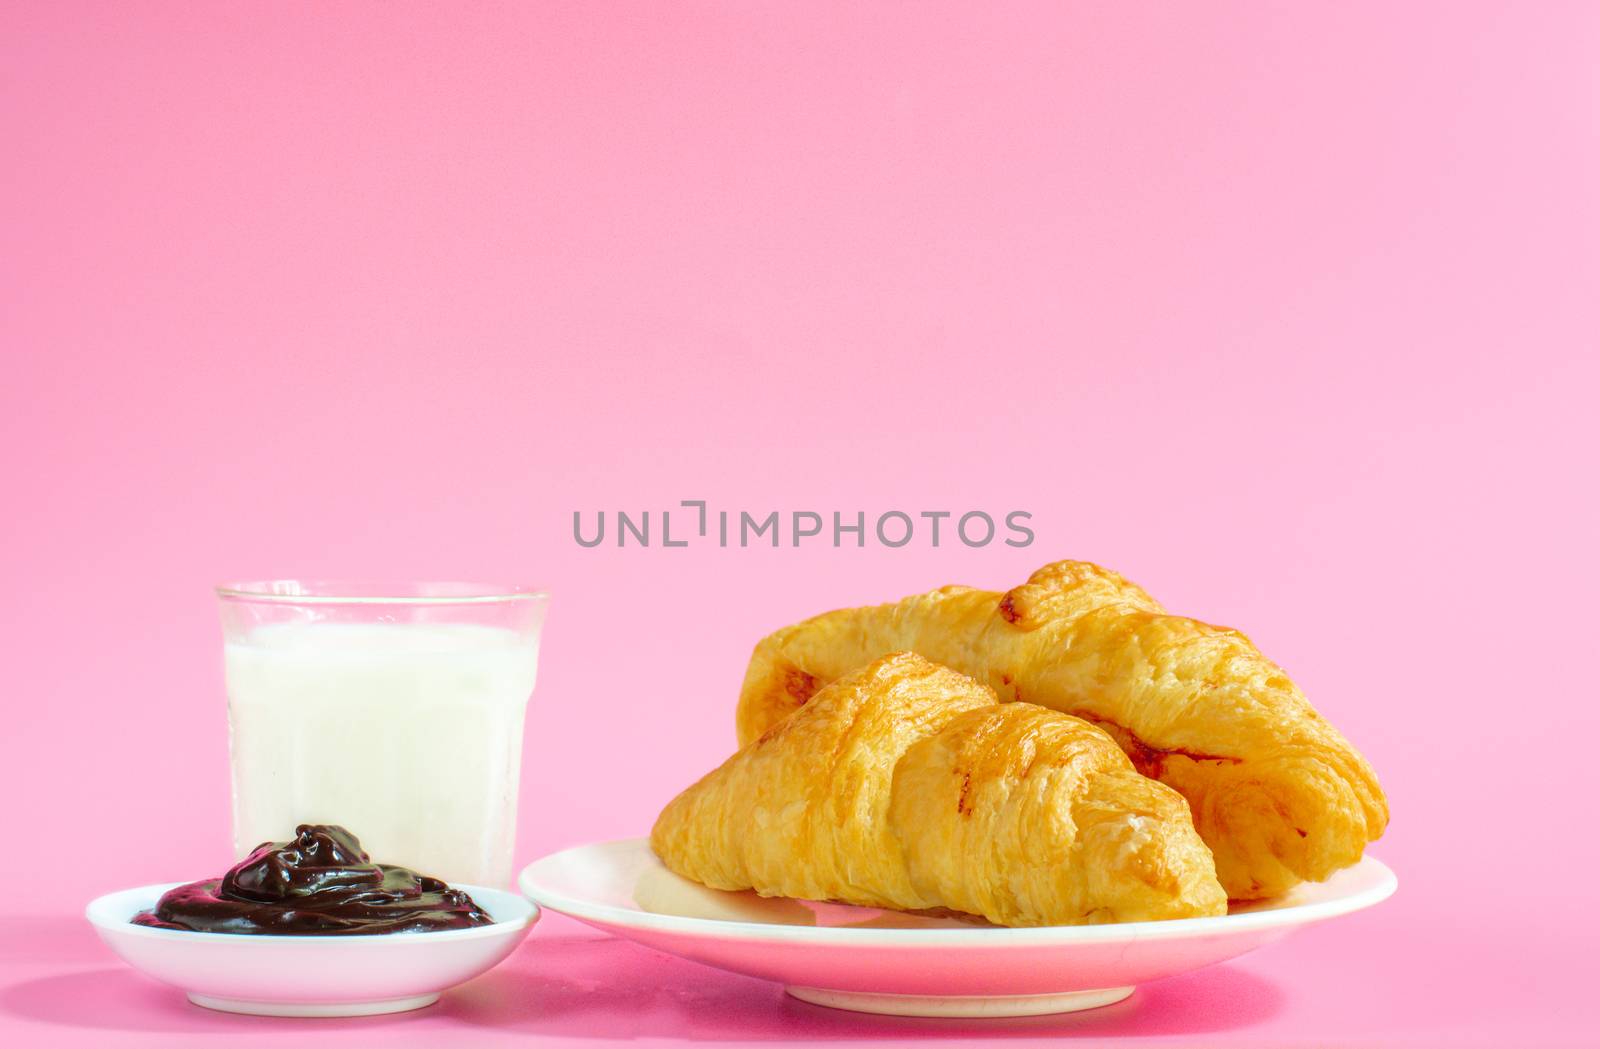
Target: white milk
407 734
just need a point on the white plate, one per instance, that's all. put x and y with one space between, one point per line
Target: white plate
311 975
913 965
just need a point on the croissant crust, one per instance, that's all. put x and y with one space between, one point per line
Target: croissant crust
1276 792
909 786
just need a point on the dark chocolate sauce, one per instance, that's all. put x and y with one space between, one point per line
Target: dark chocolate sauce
319 884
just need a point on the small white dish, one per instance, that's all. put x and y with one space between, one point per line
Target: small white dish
913 965
311 975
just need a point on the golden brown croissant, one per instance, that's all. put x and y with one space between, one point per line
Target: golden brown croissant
906 785
1275 791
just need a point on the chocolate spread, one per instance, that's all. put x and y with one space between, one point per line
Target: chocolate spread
319 884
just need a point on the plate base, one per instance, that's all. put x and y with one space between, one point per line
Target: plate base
242 1005
954 1005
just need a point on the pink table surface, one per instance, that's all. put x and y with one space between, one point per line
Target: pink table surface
568 985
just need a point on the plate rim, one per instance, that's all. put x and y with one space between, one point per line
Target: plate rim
612 915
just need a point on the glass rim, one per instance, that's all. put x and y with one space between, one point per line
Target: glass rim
363 592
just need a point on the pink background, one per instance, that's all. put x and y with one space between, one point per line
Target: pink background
1290 314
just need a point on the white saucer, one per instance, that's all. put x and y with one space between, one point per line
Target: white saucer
913 965
311 975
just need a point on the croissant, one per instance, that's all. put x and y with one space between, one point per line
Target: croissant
1276 791
906 785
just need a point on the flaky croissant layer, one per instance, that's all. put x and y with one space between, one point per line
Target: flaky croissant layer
1276 792
906 785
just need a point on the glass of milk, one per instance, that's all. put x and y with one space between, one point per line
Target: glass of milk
394 710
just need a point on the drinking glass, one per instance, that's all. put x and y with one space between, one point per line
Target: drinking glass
392 709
